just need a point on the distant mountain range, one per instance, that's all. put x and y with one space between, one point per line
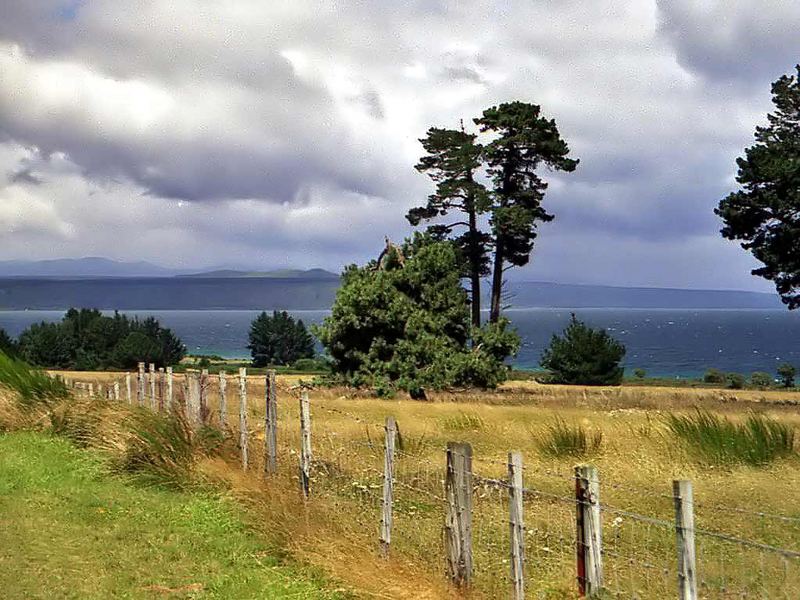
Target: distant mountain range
94 267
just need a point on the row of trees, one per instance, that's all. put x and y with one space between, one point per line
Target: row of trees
86 339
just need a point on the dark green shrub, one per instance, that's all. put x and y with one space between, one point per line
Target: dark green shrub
278 339
639 373
584 356
85 339
404 323
7 344
761 380
311 365
735 381
786 374
561 439
714 376
718 441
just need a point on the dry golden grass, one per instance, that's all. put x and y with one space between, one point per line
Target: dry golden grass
337 528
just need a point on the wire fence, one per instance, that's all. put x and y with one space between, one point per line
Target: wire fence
578 534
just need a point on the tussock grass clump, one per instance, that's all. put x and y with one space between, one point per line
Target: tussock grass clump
32 386
161 449
719 441
562 439
464 422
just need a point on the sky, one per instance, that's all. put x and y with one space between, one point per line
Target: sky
252 134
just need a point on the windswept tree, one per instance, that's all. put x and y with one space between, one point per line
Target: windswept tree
522 141
452 160
765 213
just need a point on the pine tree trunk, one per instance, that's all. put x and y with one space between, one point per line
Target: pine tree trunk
497 282
475 269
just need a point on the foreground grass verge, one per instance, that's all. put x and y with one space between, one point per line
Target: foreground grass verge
70 530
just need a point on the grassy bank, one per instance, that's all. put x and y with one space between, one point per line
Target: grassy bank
68 529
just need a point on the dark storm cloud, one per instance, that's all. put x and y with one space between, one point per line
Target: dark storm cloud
733 40
286 133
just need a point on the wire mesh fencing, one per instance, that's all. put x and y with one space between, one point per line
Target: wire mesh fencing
492 530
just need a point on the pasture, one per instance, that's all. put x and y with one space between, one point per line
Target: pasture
745 510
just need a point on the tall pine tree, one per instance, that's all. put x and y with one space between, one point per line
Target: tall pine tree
522 140
765 213
452 159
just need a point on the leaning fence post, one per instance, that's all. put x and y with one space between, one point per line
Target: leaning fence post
223 399
243 416
684 536
153 404
517 524
388 485
270 425
305 444
169 390
140 384
589 542
458 521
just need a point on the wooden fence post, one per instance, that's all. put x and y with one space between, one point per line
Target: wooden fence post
517 525
170 391
270 425
684 536
153 404
388 485
140 384
243 417
223 399
458 520
305 445
116 391
91 390
204 384
128 397
193 400
589 532
162 384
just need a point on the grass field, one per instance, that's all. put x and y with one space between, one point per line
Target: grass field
68 529
637 458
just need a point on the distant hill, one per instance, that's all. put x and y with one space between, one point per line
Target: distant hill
82 267
316 291
530 294
279 274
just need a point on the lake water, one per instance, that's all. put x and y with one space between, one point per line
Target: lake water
665 342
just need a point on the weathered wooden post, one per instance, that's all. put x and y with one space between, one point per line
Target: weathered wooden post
223 399
160 388
458 520
517 525
589 531
193 387
170 390
140 385
243 417
116 391
99 390
153 381
270 425
305 445
684 537
204 383
91 390
128 396
388 485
